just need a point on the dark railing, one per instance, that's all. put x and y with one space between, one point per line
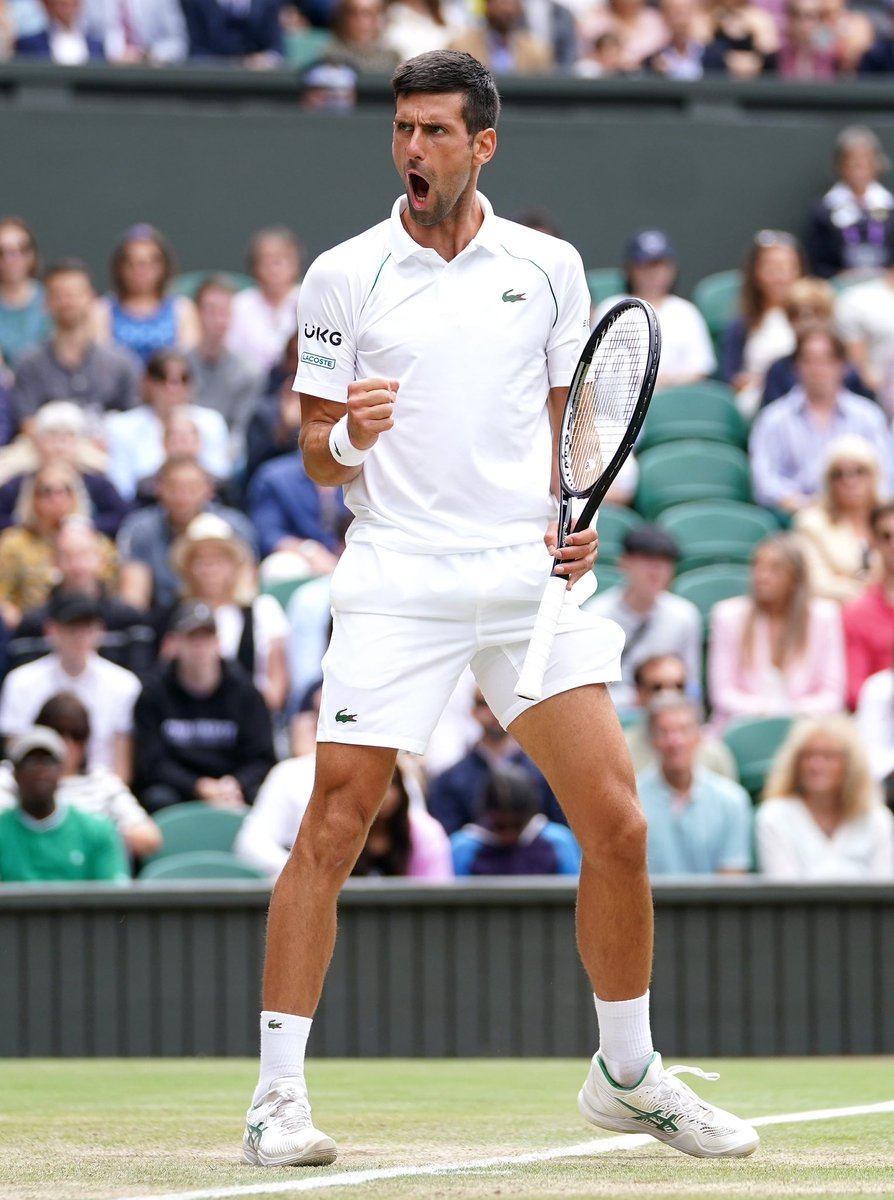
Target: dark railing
470 969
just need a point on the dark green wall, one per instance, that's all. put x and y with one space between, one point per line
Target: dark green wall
209 158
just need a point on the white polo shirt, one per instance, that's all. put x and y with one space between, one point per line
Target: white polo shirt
476 344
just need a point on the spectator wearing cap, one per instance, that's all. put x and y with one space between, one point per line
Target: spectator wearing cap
136 438
653 619
851 227
44 840
329 87
184 488
128 637
72 364
202 729
651 270
107 691
699 823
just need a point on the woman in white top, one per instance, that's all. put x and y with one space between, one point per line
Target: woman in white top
834 531
215 566
415 26
875 720
264 316
821 818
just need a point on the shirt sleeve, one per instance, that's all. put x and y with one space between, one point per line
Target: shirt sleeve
327 337
572 323
108 862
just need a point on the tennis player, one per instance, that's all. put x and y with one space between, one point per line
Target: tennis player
436 352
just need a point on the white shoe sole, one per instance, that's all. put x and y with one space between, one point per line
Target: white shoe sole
685 1141
318 1154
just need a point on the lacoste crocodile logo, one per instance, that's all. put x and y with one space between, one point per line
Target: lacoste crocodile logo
344 716
274 1024
511 297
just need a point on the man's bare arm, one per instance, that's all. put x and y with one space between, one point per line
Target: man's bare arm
369 413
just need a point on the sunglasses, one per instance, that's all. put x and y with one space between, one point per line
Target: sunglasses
839 473
51 489
653 688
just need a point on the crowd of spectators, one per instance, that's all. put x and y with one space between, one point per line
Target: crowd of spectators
813 40
165 565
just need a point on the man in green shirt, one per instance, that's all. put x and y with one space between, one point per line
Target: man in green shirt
42 841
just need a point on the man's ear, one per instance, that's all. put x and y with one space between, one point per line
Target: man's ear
484 146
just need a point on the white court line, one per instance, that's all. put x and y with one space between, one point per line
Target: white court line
627 1141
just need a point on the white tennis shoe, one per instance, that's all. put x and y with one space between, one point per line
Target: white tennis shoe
660 1104
279 1130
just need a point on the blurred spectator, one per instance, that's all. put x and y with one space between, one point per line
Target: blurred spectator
869 620
276 421
554 24
148 579
875 721
27 550
654 620
329 87
502 42
790 438
403 840
295 516
64 40
835 530
601 57
777 651
59 434
136 438
821 818
415 26
221 379
809 50
202 729
854 29
70 365
136 313
761 332
640 28
108 692
864 316
216 566
23 319
455 796
850 228
537 218
744 41
138 31
809 305
651 270
92 790
247 32
682 56
359 28
665 675
42 839
510 836
699 822
265 316
82 566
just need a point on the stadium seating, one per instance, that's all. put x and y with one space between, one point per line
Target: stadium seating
304 47
716 297
716 531
705 586
612 523
604 282
199 864
189 282
753 743
283 589
694 469
608 575
196 826
695 410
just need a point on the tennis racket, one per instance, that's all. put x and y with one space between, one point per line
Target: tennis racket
607 401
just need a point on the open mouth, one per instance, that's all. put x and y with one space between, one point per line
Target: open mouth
419 189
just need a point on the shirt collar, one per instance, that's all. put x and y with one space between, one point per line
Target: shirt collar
402 246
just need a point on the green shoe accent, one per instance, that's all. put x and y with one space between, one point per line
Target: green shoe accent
620 1086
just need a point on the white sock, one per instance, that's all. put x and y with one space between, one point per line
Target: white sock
625 1038
283 1042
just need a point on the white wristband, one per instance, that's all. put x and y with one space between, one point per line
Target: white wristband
343 449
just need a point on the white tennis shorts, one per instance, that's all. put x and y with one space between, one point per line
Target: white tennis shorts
405 627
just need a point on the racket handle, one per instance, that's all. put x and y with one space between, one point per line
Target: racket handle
530 680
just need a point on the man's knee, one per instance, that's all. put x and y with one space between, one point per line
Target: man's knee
619 838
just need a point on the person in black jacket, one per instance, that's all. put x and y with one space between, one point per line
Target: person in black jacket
201 728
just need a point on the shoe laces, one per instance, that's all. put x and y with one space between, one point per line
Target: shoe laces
679 1086
291 1110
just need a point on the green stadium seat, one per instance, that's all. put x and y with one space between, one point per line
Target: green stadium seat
706 586
693 469
607 575
753 743
695 410
200 864
196 826
284 589
304 47
716 297
188 283
716 531
604 282
613 522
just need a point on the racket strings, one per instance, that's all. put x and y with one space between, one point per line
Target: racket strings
605 398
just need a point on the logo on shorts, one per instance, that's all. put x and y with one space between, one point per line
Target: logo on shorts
317 360
511 297
344 716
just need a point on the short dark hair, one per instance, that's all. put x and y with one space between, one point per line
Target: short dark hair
160 360
835 343
65 713
879 513
442 71
67 266
642 669
216 283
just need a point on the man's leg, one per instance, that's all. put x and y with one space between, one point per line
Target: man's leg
350 784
